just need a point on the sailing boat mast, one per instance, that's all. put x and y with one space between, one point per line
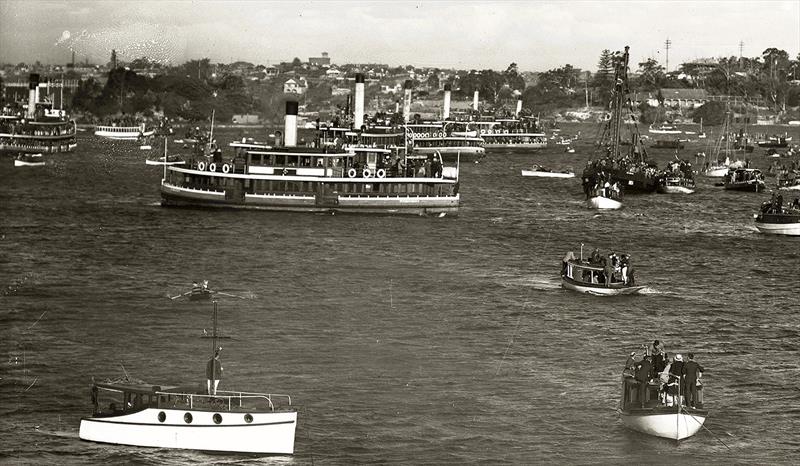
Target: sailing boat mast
214 331
620 78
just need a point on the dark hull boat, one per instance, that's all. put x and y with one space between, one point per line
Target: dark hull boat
745 179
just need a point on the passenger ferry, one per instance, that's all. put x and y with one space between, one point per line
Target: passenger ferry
41 130
124 133
314 179
183 417
447 140
511 133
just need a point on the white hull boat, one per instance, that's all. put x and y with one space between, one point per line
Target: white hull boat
547 174
675 190
785 223
787 229
599 289
266 433
716 171
160 161
34 160
603 203
676 426
123 133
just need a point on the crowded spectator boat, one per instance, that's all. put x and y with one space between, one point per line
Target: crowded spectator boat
778 219
191 416
29 160
39 129
662 396
602 275
512 133
745 179
630 168
124 133
776 141
453 143
323 178
543 172
677 178
788 180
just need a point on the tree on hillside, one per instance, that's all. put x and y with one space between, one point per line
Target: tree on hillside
651 75
603 79
712 113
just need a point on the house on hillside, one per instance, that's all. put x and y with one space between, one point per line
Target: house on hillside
295 86
679 98
323 62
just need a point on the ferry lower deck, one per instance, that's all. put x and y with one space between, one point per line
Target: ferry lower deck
390 195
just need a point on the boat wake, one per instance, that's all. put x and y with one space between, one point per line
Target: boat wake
650 290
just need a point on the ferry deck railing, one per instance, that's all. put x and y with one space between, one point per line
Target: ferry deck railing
229 396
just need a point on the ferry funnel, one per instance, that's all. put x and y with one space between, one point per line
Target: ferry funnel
519 106
446 111
475 101
407 100
358 113
33 94
290 125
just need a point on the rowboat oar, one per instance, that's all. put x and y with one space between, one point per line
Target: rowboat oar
180 295
228 294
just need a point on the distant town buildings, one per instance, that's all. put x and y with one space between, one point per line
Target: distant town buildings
295 86
323 62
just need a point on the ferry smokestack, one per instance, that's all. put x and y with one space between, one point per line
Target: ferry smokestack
475 101
446 112
358 120
290 126
33 94
519 106
407 100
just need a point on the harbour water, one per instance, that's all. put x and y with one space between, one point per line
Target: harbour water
401 340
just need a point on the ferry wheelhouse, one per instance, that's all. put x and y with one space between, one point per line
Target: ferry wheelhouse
123 133
319 179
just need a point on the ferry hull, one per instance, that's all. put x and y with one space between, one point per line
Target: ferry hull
388 205
599 289
268 433
676 426
22 163
604 203
534 146
124 136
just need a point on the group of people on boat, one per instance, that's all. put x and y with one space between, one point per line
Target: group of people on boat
616 268
678 380
775 205
601 184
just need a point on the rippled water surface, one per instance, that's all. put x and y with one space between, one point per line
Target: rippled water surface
401 340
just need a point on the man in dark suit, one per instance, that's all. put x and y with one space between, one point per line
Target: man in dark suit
643 376
691 372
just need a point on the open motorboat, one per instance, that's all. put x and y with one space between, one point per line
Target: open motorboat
188 417
29 160
593 277
776 219
657 405
665 128
603 203
542 172
745 179
677 178
604 196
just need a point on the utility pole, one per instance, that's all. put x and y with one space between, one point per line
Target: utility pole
667 44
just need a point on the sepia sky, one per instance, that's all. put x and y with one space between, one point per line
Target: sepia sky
538 35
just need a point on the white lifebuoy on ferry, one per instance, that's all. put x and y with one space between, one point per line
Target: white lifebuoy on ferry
505 131
483 131
212 167
426 135
201 166
381 173
226 168
607 116
352 173
366 173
